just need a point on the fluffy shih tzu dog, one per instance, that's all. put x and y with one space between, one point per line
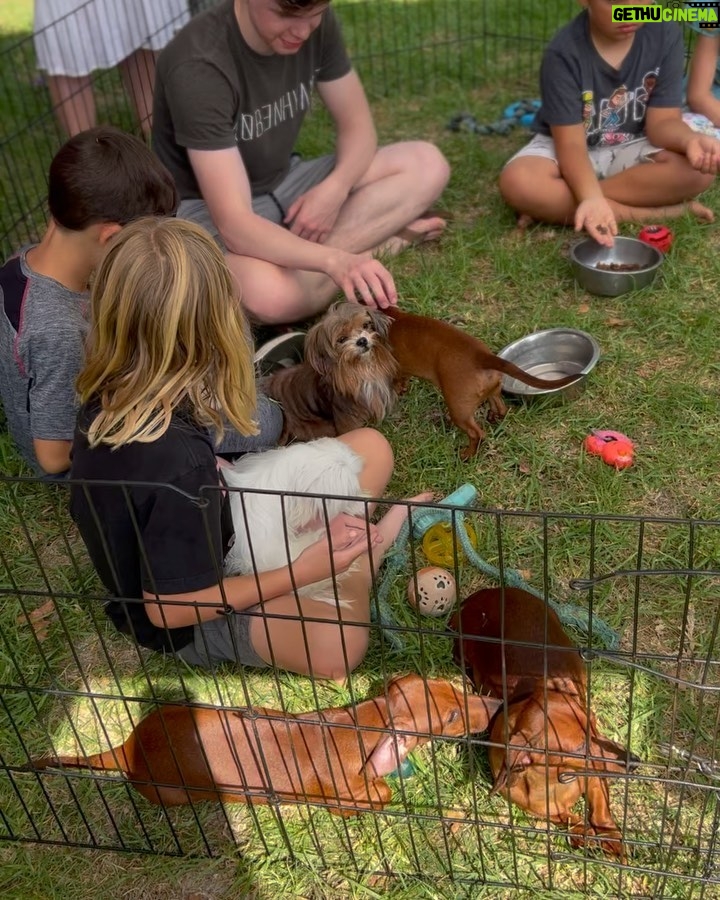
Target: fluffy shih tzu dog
346 379
318 480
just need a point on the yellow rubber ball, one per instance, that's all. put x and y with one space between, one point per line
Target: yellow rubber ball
437 543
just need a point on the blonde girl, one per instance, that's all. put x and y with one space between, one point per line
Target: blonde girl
167 351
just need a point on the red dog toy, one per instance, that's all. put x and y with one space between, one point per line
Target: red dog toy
657 236
614 448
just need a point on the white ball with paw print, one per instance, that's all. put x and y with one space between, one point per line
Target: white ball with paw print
432 591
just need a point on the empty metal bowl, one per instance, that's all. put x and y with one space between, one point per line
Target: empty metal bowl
550 354
630 264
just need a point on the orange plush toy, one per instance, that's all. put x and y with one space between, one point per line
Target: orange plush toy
613 447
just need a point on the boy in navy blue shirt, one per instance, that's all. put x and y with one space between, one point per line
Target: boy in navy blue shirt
610 144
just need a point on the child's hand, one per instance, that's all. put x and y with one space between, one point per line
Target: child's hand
349 537
703 153
597 218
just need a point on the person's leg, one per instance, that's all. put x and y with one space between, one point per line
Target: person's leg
665 185
322 640
402 182
269 418
138 75
534 187
73 102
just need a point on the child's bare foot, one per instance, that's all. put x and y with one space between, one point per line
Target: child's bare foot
702 213
524 221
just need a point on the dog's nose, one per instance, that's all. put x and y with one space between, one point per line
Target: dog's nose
362 342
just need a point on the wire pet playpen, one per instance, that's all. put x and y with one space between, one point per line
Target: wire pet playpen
646 619
72 685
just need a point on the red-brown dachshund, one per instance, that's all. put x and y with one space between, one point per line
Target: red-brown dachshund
546 728
335 757
460 366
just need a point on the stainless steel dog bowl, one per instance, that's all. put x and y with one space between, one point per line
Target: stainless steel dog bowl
609 280
550 354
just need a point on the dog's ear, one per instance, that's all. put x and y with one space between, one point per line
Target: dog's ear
614 756
392 749
507 776
380 322
318 350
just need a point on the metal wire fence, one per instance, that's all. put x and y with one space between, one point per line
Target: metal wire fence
402 49
71 685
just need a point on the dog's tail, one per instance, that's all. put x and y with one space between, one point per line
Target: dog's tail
509 368
113 760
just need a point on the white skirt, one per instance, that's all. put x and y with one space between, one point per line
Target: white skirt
75 37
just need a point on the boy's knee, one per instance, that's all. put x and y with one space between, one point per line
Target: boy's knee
436 164
512 184
702 183
681 171
431 163
268 294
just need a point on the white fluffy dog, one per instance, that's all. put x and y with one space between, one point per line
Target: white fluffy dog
272 530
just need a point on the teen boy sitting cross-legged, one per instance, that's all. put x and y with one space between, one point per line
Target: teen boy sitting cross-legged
232 90
99 180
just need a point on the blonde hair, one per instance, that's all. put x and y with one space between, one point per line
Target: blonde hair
167 330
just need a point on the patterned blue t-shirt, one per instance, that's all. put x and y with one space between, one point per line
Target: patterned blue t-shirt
578 86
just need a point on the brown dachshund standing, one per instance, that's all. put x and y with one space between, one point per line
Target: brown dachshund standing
334 757
546 729
463 369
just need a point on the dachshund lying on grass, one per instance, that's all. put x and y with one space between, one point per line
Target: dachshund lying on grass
334 757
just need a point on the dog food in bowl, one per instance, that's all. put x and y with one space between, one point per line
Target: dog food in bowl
630 264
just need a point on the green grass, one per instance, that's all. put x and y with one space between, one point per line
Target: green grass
443 836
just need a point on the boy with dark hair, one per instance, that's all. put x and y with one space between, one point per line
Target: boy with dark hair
610 144
99 180
232 90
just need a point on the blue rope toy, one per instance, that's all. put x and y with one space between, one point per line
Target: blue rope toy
422 519
520 114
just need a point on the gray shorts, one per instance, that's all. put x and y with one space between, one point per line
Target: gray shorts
223 639
303 175
606 160
270 420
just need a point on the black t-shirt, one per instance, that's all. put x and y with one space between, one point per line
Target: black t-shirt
578 86
166 535
213 92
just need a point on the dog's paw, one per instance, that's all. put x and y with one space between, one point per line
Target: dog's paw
469 452
607 840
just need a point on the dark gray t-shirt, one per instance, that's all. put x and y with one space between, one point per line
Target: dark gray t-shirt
42 336
213 92
578 86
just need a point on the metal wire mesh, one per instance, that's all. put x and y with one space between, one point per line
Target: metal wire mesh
72 685
401 48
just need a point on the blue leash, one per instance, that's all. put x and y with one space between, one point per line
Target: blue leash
422 519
